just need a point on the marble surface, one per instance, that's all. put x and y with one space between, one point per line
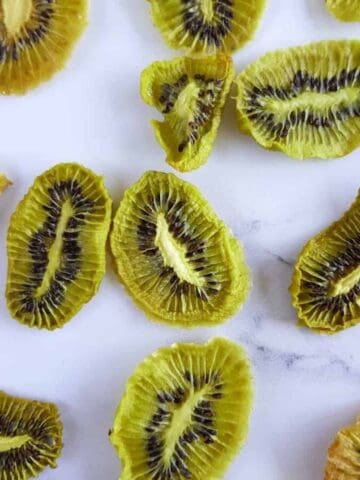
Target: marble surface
307 386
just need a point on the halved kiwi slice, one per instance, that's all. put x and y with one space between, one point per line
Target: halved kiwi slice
178 261
343 461
191 95
56 246
4 183
30 437
326 282
345 10
204 27
304 101
37 37
185 413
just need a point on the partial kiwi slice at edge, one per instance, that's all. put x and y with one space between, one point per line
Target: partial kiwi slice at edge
4 183
344 10
185 413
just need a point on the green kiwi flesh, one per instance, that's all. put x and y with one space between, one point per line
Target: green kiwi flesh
345 10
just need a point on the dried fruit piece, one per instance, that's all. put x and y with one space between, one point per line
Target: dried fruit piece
178 261
185 413
207 26
191 95
326 282
56 246
30 437
304 101
37 37
345 10
4 183
343 462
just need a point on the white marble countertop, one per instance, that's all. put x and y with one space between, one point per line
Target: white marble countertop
307 386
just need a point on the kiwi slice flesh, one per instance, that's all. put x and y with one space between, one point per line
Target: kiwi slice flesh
4 183
191 94
304 101
326 283
37 37
343 461
345 10
185 413
178 261
30 437
205 27
56 246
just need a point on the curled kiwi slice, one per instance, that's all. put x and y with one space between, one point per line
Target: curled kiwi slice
30 437
345 10
190 93
36 38
205 27
304 101
343 462
326 282
185 413
4 183
56 246
178 261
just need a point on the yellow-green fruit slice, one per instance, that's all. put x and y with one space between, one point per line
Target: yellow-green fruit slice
345 10
4 183
30 437
343 462
56 246
326 282
36 39
304 101
191 95
178 261
185 413
205 27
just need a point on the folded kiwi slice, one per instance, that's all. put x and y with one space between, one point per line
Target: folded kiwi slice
56 246
4 183
185 413
343 461
30 437
326 282
345 10
178 261
37 37
304 101
190 93
205 27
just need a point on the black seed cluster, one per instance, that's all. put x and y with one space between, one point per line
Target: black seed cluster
210 32
41 242
303 82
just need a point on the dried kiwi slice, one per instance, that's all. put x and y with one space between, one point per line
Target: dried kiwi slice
56 246
343 462
185 413
30 437
178 261
36 38
304 101
191 95
326 282
345 10
207 26
4 183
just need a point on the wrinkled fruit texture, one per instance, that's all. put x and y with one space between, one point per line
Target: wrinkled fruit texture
4 183
37 37
178 261
304 101
185 413
205 27
56 246
30 437
345 10
343 462
326 282
191 95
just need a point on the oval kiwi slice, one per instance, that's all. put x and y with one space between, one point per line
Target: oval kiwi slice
204 27
191 95
326 282
345 10
30 437
343 462
37 37
178 261
304 101
56 246
185 413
